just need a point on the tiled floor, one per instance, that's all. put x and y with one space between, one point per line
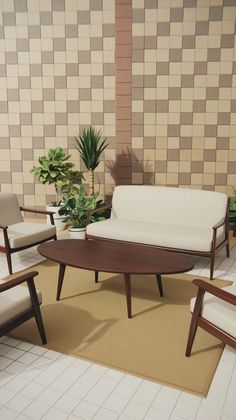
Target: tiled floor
38 383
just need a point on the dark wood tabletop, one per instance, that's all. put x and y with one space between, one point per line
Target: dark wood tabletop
115 257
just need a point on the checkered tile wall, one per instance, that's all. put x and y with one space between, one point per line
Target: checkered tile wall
184 93
57 74
65 64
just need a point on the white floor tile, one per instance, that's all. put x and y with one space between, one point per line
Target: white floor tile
35 410
96 396
85 410
53 413
67 403
154 414
18 403
7 414
135 410
163 403
116 403
39 383
104 414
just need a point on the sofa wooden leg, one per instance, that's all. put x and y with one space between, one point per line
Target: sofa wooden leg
128 293
212 265
159 283
96 276
227 250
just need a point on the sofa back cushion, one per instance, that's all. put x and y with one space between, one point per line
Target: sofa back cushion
9 209
169 205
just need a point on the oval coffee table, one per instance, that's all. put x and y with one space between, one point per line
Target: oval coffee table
114 257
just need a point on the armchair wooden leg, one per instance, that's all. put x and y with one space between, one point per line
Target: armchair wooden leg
96 276
37 312
9 262
194 321
191 335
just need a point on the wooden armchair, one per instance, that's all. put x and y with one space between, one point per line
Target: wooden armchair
15 234
215 312
18 304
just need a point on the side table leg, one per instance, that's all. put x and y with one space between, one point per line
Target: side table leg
96 276
60 279
128 293
159 283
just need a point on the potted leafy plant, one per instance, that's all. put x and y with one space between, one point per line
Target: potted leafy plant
233 200
90 146
76 212
56 169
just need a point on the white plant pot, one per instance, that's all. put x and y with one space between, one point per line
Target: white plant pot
77 233
58 220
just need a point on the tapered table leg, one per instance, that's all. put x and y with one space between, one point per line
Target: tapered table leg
60 279
159 283
128 293
96 276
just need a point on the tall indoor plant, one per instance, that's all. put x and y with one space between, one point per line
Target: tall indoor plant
56 169
90 145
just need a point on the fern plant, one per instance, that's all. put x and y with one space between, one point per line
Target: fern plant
90 145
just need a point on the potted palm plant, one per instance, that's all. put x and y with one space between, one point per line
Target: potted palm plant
56 169
90 146
76 212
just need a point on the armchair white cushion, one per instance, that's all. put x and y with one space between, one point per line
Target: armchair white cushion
24 234
220 313
15 234
19 303
14 302
214 310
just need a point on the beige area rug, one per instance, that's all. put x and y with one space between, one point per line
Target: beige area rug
91 322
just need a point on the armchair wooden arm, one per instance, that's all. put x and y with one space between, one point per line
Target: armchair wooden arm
220 293
8 284
4 227
49 213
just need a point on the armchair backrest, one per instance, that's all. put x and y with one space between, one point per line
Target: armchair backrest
9 209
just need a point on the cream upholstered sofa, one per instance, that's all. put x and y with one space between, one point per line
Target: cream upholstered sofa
178 219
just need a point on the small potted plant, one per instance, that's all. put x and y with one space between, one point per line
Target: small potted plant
90 146
76 212
56 169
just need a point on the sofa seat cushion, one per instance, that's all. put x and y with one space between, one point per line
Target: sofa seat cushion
220 313
158 234
14 302
24 234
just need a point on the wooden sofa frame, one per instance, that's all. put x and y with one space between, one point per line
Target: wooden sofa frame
34 311
211 253
198 320
7 248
